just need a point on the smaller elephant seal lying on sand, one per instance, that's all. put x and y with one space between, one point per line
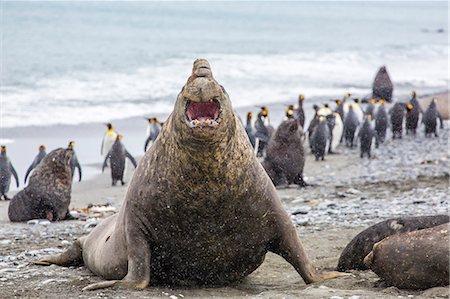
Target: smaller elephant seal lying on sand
352 257
285 158
414 260
200 209
47 195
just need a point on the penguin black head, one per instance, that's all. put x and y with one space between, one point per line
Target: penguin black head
42 147
119 137
315 107
409 107
109 126
413 94
156 120
249 114
264 111
289 113
150 120
381 101
339 102
356 100
372 101
71 145
3 148
301 98
326 106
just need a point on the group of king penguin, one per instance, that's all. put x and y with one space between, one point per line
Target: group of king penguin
353 121
112 150
347 123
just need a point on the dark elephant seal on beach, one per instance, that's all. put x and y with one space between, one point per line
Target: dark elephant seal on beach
47 195
415 260
285 156
200 209
382 87
352 257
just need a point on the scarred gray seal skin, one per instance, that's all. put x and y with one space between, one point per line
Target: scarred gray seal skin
200 209
352 257
414 260
47 195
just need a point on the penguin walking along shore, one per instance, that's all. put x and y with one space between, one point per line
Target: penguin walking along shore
41 155
413 112
249 129
6 170
299 113
154 127
285 159
320 138
366 135
351 123
397 114
108 140
74 164
117 155
381 123
263 131
430 119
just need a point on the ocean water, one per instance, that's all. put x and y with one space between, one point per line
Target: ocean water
82 62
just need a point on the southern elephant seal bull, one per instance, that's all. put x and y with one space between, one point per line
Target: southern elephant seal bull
200 209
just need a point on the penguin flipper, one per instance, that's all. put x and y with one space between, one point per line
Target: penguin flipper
149 138
105 163
29 170
78 166
129 156
14 173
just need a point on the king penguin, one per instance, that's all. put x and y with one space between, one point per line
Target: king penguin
41 155
249 129
154 128
108 140
299 112
74 164
117 155
6 170
337 132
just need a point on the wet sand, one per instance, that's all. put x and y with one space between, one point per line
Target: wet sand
405 177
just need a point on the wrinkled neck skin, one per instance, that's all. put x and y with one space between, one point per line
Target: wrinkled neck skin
206 154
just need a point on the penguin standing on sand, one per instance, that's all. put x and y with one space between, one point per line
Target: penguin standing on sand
397 114
413 112
339 108
299 113
117 155
381 123
154 127
430 119
74 161
312 125
6 170
366 135
358 110
351 123
249 129
108 140
263 131
41 155
337 132
320 138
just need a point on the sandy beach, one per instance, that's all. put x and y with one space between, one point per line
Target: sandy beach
404 178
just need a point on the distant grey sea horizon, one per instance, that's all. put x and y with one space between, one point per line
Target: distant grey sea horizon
83 62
